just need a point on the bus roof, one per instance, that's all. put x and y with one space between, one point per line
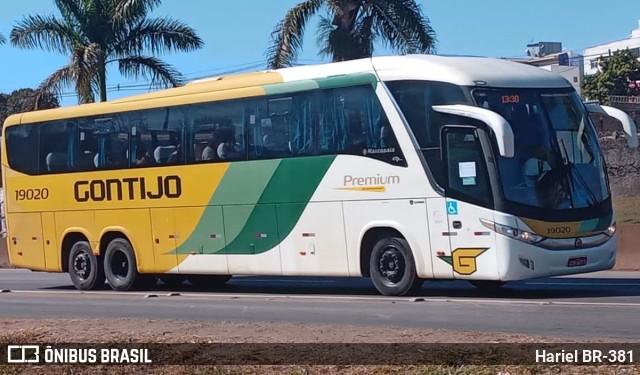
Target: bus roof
464 71
467 71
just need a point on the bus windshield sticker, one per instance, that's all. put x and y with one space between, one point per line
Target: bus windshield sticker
467 169
468 181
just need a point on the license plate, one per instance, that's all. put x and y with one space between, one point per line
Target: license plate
577 262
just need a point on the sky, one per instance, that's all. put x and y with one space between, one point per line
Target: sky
237 34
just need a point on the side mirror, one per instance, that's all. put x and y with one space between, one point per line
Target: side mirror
497 123
628 125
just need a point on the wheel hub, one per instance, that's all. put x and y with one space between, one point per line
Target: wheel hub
120 265
82 265
392 265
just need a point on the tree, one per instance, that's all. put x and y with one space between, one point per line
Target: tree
95 33
2 40
352 28
617 75
24 100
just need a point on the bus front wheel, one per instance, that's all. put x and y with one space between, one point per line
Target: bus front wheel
392 268
85 270
120 267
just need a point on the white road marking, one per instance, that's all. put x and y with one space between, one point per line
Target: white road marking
583 284
239 279
333 298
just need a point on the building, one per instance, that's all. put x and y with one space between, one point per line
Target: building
551 57
592 54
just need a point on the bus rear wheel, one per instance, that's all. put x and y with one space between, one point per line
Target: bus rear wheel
121 269
393 270
85 270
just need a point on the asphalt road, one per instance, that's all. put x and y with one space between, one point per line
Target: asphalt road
605 304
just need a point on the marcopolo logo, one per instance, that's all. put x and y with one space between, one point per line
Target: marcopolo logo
132 188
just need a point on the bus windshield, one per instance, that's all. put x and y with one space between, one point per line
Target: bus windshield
557 163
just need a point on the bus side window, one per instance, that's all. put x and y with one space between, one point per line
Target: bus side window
302 125
23 149
88 145
354 123
218 131
332 127
282 127
58 152
416 99
275 138
154 136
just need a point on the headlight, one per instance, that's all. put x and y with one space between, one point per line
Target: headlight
611 230
520 235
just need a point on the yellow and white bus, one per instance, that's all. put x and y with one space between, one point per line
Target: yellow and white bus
401 169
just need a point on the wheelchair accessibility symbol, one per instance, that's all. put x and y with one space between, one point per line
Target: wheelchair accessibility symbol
452 208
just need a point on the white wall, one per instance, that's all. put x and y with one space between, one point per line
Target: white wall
591 54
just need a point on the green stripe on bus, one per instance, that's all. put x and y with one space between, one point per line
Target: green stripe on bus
294 181
261 202
242 184
343 80
287 87
348 80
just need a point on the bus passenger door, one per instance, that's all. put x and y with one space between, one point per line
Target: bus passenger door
468 190
164 239
25 241
439 238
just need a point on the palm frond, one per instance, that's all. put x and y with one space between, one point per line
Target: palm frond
73 11
365 35
44 32
160 73
403 27
127 11
288 34
67 77
2 39
343 44
157 36
87 63
325 28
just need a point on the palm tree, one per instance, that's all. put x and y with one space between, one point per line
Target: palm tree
352 28
96 33
2 40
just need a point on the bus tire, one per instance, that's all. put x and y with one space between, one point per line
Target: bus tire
208 281
120 266
85 270
393 270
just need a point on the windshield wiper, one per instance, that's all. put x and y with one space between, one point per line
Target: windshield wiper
572 170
